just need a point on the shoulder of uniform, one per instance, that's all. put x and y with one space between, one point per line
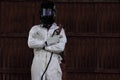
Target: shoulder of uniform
55 25
36 26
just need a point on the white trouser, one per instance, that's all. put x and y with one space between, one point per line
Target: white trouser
38 66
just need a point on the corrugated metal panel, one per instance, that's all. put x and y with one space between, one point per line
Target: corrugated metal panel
92 51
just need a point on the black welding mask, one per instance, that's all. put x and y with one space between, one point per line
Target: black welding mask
47 12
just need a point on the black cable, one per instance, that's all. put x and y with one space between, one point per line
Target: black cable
47 66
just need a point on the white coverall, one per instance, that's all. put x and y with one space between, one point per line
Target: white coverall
36 40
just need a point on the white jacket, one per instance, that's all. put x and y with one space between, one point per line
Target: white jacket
38 35
36 40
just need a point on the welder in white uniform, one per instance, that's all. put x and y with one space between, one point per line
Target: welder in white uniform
44 41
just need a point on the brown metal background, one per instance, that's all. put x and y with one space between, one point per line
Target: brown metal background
93 33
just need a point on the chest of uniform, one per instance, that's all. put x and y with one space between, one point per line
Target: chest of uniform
47 33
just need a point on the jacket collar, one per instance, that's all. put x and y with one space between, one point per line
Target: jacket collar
54 26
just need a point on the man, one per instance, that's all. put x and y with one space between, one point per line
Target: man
48 41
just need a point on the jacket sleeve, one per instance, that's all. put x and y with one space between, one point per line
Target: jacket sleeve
58 47
34 41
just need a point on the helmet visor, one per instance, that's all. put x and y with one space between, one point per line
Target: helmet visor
46 12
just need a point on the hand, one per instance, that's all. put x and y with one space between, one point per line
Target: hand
53 40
